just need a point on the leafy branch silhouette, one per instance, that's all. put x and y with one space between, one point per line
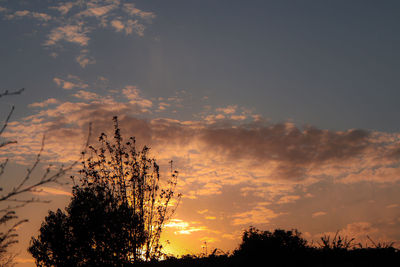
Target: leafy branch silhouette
117 213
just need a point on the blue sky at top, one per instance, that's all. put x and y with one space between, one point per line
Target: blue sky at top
332 64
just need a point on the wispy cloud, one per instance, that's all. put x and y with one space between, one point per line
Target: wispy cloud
133 11
132 93
118 25
269 159
318 214
184 228
228 110
271 165
86 95
77 34
76 21
72 82
64 8
288 199
97 10
45 103
29 14
259 214
44 190
84 59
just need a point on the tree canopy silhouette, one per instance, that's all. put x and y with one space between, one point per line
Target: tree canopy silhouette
117 211
278 246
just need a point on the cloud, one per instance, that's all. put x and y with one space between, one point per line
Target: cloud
258 215
128 26
77 34
184 228
96 10
73 82
64 8
132 93
118 25
373 173
267 160
50 101
29 14
84 59
318 214
238 117
288 199
259 166
41 16
77 20
163 106
44 190
133 11
228 110
202 211
108 14
292 152
85 95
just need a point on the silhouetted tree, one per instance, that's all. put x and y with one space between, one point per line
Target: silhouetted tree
279 247
130 182
95 230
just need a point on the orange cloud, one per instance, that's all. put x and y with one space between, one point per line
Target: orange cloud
266 162
259 215
44 190
288 199
72 83
318 213
263 169
45 103
184 228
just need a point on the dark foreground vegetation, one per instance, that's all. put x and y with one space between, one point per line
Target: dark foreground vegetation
287 248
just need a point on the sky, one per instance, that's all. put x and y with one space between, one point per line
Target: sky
277 114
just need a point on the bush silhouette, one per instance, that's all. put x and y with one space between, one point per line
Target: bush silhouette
117 212
280 246
95 230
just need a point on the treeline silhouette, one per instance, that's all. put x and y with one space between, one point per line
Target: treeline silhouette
282 248
119 208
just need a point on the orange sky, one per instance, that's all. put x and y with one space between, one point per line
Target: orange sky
232 173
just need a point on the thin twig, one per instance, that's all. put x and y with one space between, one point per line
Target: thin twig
17 92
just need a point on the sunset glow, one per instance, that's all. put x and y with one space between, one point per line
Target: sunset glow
276 114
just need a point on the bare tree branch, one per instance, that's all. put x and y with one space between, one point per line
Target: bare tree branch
16 92
27 184
7 120
45 179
